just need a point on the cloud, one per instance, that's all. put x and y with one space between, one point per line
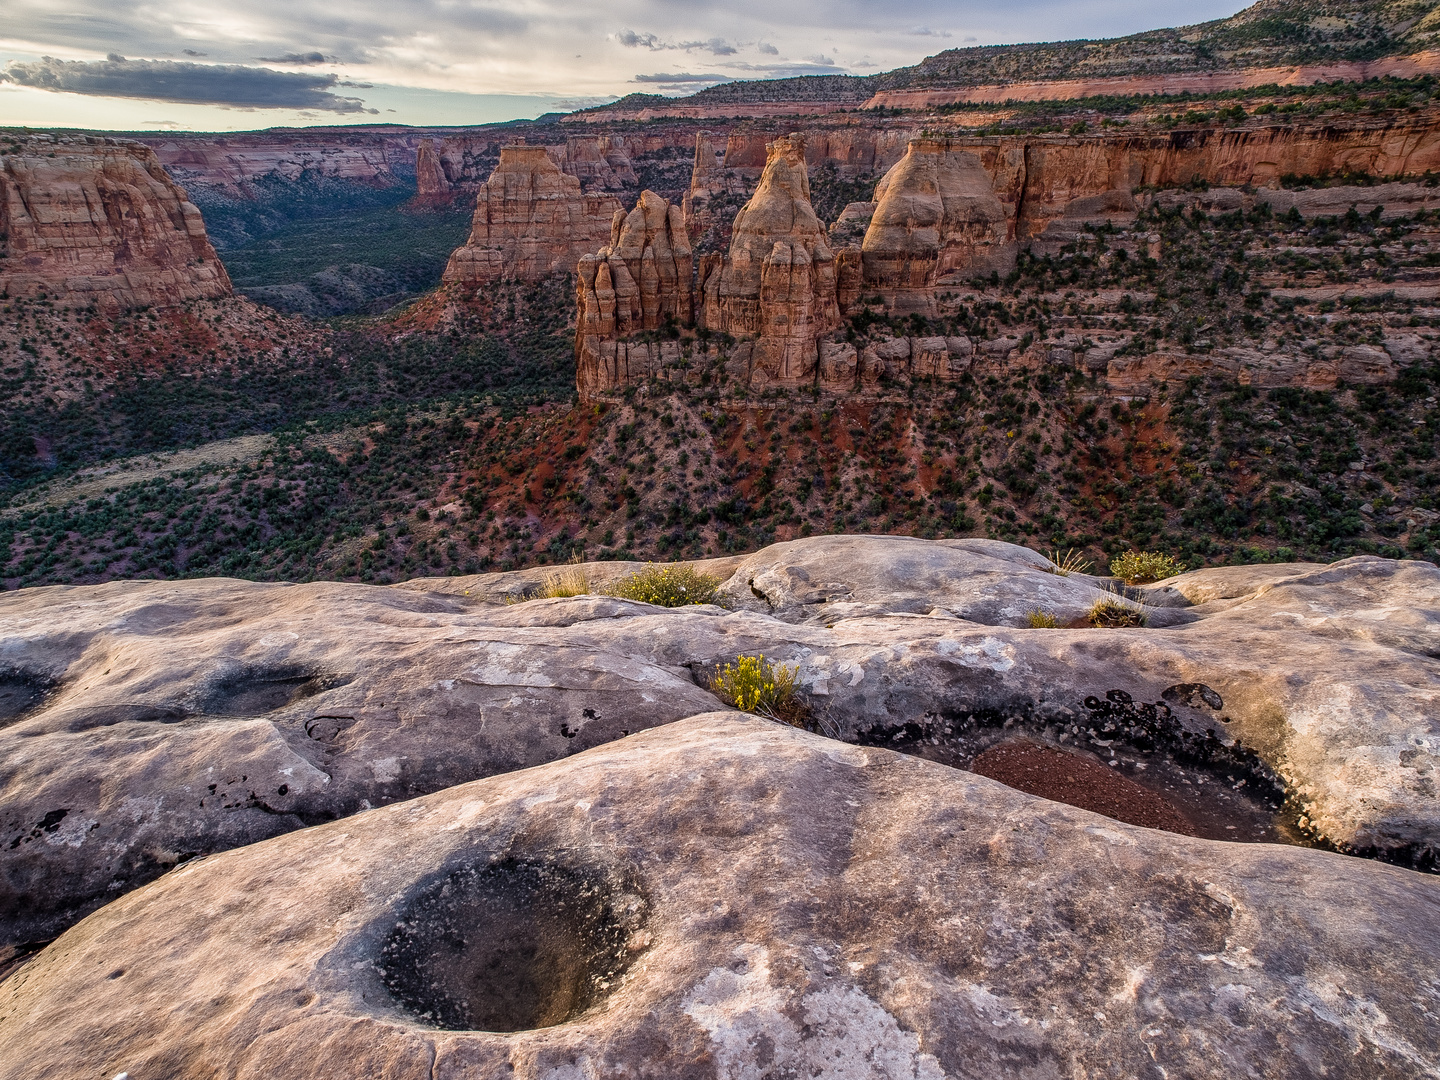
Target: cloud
631 40
193 52
715 46
768 50
295 59
683 78
173 80
925 31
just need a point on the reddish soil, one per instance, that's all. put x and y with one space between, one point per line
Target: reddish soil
1080 781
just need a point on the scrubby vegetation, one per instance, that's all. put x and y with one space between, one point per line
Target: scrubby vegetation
753 684
1143 567
447 440
671 586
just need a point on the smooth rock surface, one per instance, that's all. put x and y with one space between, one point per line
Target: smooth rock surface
785 906
151 722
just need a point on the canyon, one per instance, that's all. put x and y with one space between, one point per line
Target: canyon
955 211
373 690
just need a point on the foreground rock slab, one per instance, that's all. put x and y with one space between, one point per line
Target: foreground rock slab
727 897
152 722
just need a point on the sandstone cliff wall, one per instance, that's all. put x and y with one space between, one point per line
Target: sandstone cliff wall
778 282
531 220
953 209
232 164
778 286
1195 82
89 220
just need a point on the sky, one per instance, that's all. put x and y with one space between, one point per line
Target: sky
141 65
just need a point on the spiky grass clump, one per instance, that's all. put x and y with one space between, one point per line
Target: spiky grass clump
1114 612
753 684
572 580
669 585
1069 562
1143 567
1041 620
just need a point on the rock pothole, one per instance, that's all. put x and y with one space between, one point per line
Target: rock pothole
512 947
252 693
1130 760
20 692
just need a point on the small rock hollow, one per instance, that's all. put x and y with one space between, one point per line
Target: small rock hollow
255 692
19 693
512 947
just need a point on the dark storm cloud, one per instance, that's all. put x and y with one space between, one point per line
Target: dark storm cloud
173 80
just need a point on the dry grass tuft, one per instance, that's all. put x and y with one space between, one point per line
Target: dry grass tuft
1069 562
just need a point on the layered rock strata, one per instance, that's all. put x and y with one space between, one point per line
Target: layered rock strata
150 722
531 220
953 209
778 282
726 897
88 220
777 285
936 213
641 281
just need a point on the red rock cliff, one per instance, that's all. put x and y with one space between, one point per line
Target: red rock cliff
778 281
640 282
531 220
953 209
87 220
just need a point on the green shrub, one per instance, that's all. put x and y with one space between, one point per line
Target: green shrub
1143 567
1041 620
669 585
752 684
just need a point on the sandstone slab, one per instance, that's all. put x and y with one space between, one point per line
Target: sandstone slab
153 722
726 897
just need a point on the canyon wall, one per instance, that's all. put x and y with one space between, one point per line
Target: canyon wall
234 164
531 220
90 220
949 211
1180 82
954 209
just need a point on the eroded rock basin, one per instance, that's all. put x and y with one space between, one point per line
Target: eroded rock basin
511 946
